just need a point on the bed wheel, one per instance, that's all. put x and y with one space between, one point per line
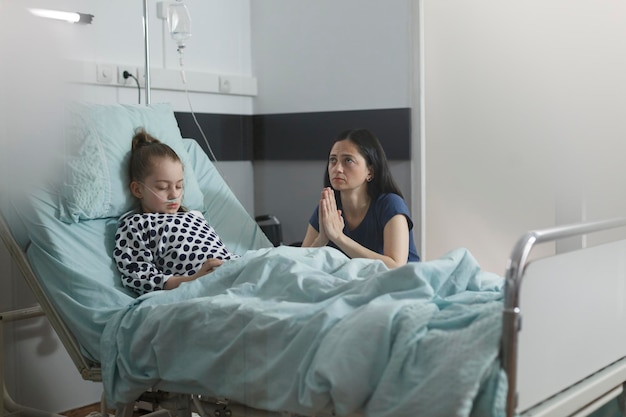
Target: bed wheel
224 412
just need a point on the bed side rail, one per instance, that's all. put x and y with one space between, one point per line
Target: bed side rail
518 261
89 370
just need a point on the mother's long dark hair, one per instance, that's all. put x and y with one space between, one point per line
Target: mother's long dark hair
374 154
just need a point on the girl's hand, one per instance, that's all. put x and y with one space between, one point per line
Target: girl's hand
207 267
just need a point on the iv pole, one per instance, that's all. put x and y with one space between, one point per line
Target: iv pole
147 50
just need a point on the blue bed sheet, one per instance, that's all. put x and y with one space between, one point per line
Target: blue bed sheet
306 330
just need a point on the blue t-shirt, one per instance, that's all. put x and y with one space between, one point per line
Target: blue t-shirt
371 230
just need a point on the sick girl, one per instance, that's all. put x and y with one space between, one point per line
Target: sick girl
161 244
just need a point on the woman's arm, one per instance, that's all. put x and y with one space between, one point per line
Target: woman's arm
312 238
396 246
395 235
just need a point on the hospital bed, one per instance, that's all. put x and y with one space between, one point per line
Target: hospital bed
293 331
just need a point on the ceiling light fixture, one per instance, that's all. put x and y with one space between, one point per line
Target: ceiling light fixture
72 17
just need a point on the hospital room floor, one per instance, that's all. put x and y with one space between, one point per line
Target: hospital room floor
82 411
94 408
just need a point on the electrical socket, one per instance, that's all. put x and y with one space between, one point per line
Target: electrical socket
120 75
104 73
141 73
226 84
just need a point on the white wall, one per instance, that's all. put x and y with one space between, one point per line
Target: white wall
325 55
524 110
331 55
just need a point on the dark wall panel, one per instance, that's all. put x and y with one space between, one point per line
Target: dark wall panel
230 136
307 136
295 136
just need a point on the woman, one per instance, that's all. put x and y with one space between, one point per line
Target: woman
361 211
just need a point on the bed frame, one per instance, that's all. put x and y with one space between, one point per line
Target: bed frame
584 367
542 378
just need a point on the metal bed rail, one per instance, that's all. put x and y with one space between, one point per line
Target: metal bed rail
8 407
516 267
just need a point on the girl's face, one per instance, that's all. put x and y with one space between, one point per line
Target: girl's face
347 168
162 190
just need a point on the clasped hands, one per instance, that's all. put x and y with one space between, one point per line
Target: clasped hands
331 223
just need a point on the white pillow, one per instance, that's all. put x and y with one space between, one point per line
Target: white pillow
99 140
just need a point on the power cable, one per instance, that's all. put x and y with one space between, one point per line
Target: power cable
128 75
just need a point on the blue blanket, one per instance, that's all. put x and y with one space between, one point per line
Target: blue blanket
305 330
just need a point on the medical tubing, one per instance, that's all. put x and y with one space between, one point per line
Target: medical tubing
165 200
193 114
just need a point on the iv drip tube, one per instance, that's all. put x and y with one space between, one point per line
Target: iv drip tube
147 50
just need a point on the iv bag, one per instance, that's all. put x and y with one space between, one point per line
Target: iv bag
179 23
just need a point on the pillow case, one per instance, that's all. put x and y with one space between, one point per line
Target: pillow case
98 141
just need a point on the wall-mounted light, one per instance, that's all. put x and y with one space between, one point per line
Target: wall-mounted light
72 17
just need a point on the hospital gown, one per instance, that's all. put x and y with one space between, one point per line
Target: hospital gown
152 247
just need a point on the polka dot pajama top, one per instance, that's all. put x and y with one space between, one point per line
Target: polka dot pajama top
152 247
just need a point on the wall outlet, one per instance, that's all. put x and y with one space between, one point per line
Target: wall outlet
104 73
226 84
141 76
120 75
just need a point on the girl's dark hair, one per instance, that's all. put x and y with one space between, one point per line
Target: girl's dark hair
145 148
371 149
